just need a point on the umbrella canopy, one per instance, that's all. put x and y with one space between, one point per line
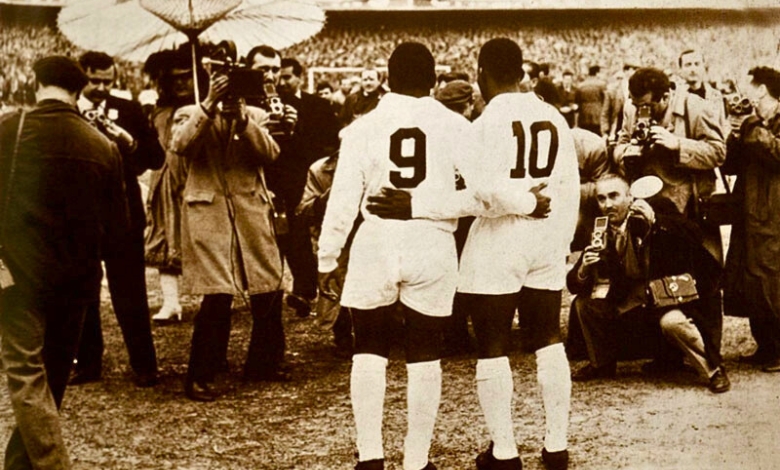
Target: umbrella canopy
134 29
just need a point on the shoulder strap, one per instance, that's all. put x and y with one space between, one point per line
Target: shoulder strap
11 174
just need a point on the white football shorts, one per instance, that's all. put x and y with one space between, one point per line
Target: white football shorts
503 255
390 262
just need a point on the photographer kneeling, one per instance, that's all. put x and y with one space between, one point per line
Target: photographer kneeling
643 247
228 243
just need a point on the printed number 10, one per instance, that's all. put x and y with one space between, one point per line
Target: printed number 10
533 155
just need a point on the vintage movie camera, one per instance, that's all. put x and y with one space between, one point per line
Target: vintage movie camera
640 141
598 239
98 119
738 105
243 81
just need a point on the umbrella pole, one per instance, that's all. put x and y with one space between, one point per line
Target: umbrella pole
192 39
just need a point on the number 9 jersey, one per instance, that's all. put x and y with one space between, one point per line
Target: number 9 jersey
407 143
523 142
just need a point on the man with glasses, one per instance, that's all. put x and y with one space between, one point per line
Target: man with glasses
684 145
124 123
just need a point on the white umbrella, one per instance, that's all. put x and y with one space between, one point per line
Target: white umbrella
134 29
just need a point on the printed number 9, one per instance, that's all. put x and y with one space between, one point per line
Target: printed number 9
415 161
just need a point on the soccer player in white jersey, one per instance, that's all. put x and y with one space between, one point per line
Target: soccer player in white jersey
513 261
410 142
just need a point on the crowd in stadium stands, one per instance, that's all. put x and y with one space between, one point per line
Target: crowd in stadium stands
573 43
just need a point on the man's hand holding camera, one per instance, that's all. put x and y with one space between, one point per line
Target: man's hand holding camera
232 108
123 139
659 135
640 208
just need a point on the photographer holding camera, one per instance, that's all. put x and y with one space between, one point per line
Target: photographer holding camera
640 242
228 243
675 136
124 123
307 131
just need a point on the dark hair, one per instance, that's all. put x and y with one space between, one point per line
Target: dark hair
545 67
593 70
502 59
95 60
769 77
533 69
297 68
263 50
411 67
684 53
323 85
649 80
567 72
60 71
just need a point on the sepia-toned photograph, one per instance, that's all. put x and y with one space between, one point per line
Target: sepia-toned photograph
390 234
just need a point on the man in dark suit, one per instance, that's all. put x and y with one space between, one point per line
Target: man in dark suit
123 122
63 198
312 136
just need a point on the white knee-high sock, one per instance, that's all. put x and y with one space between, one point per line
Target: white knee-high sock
495 389
554 377
422 397
169 283
367 390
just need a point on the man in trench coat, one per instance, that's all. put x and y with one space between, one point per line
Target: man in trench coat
228 242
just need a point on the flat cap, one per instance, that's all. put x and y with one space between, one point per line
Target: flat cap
60 71
455 92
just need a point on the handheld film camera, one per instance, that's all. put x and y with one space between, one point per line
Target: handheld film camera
738 105
598 239
640 141
243 81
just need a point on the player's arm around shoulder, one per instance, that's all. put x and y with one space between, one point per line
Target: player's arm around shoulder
460 156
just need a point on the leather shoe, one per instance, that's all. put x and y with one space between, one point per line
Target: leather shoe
719 382
301 305
83 377
758 358
486 461
376 464
772 366
199 392
555 460
588 373
146 380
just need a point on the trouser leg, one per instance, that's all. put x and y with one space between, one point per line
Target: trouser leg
300 257
90 347
127 283
39 344
342 329
598 320
267 341
680 331
206 338
456 332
